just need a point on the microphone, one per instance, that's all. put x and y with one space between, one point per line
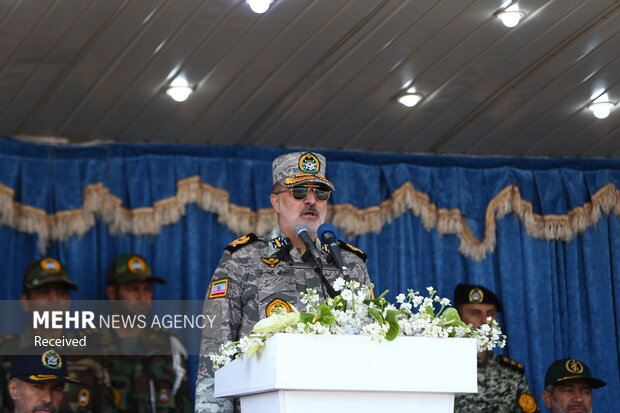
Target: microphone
328 235
302 232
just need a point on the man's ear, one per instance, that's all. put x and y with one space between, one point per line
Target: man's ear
110 291
14 389
275 202
546 396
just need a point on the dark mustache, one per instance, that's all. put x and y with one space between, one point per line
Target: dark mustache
309 208
47 406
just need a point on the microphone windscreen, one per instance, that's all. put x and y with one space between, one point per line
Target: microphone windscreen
299 228
325 230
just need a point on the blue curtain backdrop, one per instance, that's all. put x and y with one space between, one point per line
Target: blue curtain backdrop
561 298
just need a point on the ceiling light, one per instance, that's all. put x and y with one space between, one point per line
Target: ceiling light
510 16
409 99
259 6
179 93
601 109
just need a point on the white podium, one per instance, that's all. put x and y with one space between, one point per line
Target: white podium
322 374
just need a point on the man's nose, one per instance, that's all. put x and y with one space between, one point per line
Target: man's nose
310 198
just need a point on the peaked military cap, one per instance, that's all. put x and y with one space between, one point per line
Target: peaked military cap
131 267
563 370
475 294
46 271
46 366
298 168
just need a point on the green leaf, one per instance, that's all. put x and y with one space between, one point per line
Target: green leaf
451 317
390 318
306 318
376 314
325 315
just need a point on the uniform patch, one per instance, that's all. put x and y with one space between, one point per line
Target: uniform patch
277 304
51 360
309 164
527 403
271 262
218 288
164 396
136 265
476 295
574 366
50 265
83 397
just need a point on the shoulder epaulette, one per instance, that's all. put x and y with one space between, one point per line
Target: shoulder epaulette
241 242
505 361
346 246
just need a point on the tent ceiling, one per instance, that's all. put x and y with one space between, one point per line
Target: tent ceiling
315 73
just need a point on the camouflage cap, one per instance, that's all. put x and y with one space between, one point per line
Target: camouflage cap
475 294
297 168
131 267
48 366
46 271
563 370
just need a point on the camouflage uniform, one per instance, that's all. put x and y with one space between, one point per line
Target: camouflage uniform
39 274
143 374
502 388
146 375
246 285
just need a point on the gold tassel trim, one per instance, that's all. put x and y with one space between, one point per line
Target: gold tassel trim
98 203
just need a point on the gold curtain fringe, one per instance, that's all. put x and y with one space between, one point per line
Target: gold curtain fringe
98 203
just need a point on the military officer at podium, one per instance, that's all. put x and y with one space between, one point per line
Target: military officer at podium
254 276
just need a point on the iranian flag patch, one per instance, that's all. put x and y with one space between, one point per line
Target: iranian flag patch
218 288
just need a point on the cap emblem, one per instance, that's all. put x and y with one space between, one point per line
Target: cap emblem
136 265
50 265
51 360
308 163
476 295
574 366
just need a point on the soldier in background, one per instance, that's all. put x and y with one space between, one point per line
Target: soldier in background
46 286
253 276
37 382
568 386
145 367
502 386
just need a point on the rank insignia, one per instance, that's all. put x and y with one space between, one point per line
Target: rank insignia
83 397
309 164
240 242
218 288
527 403
271 262
276 305
164 396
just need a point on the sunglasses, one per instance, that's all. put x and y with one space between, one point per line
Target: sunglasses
301 192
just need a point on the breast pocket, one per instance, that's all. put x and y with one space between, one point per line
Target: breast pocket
276 291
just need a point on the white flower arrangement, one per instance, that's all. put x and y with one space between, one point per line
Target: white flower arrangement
354 311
